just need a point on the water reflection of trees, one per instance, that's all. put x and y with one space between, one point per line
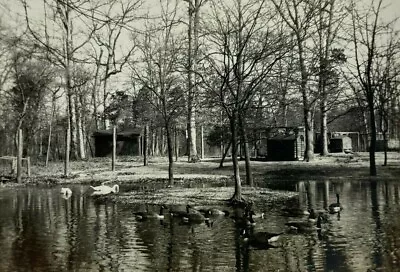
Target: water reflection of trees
49 233
197 247
367 235
40 230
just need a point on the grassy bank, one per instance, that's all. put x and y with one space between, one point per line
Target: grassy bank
206 174
131 169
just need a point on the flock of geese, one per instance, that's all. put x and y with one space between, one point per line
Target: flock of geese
244 220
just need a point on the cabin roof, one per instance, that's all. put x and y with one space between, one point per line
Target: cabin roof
290 137
125 133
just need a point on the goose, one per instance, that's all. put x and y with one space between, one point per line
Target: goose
295 212
260 240
193 216
104 189
251 221
312 217
148 214
178 213
245 220
304 226
335 207
66 191
257 215
261 237
216 212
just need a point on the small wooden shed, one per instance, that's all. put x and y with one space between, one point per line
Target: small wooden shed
128 142
340 143
286 146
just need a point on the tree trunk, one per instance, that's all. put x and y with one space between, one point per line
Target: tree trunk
67 150
156 143
94 91
372 147
19 155
324 51
308 122
114 148
324 129
73 126
40 153
192 148
48 144
79 126
176 144
145 143
53 109
385 147
243 127
152 142
237 196
221 163
68 82
309 152
202 142
105 92
170 155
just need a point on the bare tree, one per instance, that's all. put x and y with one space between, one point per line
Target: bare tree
329 20
245 43
367 32
298 15
157 72
109 54
387 71
57 40
193 49
31 82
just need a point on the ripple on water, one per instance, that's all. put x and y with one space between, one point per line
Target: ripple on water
41 231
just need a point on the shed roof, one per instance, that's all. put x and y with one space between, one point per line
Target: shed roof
340 137
290 137
124 133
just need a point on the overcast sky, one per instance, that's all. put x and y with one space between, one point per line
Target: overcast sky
10 10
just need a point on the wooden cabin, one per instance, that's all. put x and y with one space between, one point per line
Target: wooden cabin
128 142
286 144
340 143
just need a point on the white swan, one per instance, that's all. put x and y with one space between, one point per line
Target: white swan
66 191
104 189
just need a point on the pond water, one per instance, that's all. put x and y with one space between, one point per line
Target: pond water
41 231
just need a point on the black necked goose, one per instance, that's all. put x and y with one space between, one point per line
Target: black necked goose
216 212
193 216
335 207
150 214
261 237
295 212
260 240
304 226
244 220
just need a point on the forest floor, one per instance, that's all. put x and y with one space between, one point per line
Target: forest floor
205 181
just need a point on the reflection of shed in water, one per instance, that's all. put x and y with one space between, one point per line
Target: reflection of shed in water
128 142
287 144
